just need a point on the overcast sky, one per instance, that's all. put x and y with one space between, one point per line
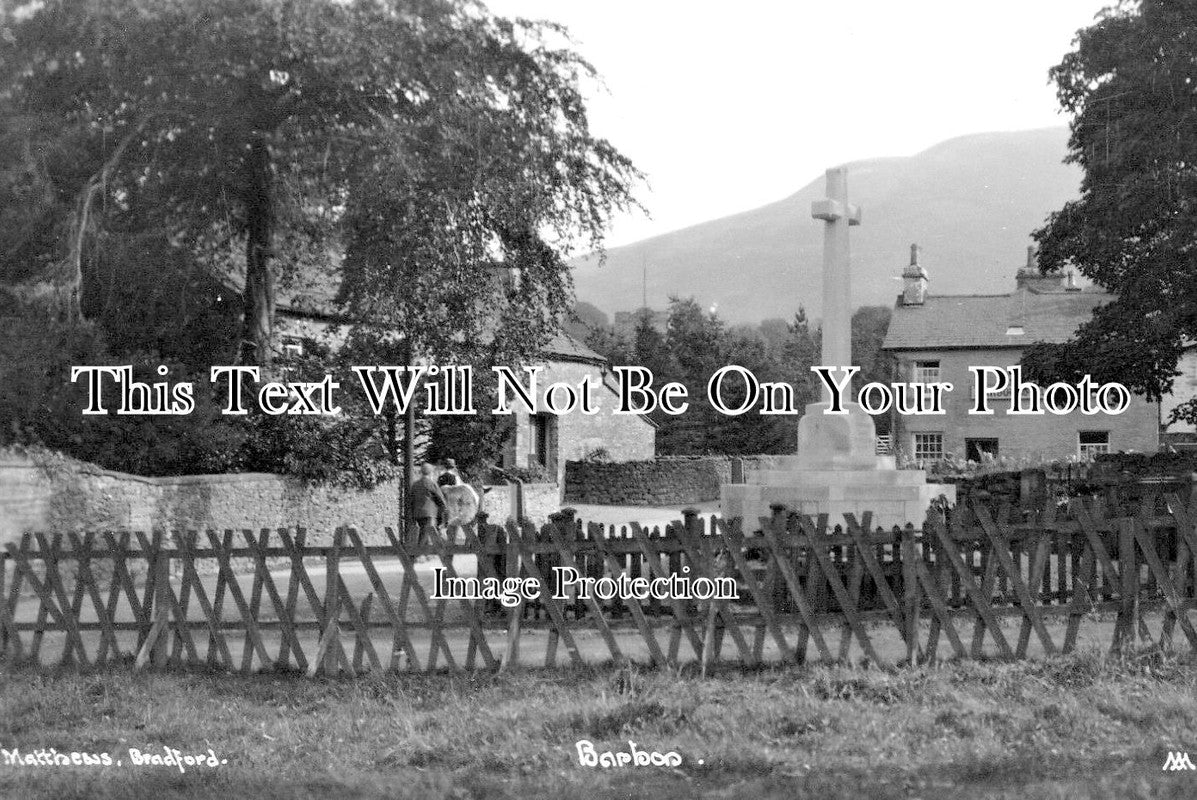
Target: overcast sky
729 106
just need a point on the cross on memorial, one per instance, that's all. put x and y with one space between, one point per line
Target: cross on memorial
839 215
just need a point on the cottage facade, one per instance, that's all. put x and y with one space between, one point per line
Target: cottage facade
938 338
546 441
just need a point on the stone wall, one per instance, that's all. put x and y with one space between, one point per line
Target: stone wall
665 481
1122 478
49 493
997 488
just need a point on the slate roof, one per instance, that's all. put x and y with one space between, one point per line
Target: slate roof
985 321
564 347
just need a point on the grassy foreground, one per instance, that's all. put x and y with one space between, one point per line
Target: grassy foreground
1065 728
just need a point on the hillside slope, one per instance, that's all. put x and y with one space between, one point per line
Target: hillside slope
970 202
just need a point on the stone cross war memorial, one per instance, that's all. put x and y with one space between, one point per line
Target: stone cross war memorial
836 469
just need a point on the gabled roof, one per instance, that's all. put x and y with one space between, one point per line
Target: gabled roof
991 321
564 347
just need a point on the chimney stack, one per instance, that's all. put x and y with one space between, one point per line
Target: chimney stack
1029 276
914 280
1028 272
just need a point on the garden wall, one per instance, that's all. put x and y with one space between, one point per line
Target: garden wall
664 481
53 494
1124 478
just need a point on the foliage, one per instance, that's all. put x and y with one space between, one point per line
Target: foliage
869 325
590 325
697 343
458 233
427 137
599 455
1128 84
40 406
989 464
148 296
585 318
437 158
473 441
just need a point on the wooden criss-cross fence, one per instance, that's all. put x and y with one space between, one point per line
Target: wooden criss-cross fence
973 582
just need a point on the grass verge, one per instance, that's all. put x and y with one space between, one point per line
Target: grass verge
1074 727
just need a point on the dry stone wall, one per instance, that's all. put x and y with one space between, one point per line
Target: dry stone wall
665 481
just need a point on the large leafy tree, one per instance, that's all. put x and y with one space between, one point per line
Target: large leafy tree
426 137
1130 84
201 120
459 227
437 158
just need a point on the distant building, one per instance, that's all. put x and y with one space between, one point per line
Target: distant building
937 338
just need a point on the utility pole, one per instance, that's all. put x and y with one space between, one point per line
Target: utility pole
409 453
643 282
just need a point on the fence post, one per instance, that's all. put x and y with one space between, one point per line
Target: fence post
160 651
910 591
1127 628
5 612
332 605
515 615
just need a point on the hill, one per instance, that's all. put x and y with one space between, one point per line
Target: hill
970 202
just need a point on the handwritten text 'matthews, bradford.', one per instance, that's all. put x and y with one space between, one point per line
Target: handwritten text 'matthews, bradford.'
449 390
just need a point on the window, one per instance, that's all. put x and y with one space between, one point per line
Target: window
542 430
1091 443
292 354
980 450
292 348
928 447
927 373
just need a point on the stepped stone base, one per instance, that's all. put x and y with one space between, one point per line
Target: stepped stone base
835 472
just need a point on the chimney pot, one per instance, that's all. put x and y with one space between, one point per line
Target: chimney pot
914 280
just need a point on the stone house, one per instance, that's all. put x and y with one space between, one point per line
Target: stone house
547 441
540 442
938 338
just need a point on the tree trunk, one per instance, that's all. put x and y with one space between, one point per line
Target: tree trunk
258 297
59 290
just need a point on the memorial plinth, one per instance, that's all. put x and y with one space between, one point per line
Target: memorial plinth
836 470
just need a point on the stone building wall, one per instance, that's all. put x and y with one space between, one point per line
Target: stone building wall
573 436
1039 438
